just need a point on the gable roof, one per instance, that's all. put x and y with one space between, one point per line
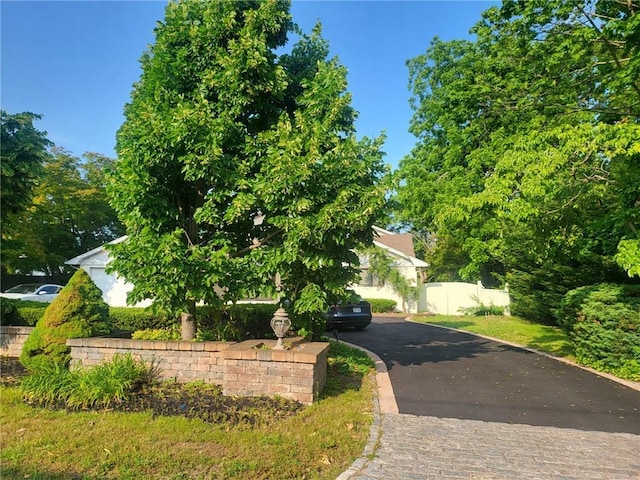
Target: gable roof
399 244
403 242
80 259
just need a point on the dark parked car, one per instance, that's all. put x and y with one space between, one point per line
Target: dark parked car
355 314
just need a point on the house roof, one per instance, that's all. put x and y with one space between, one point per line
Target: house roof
98 250
403 242
400 244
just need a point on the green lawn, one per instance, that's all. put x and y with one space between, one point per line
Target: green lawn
320 442
545 338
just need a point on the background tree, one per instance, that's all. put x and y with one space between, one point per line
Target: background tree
23 151
69 215
528 149
238 166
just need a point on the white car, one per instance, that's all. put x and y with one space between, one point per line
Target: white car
35 292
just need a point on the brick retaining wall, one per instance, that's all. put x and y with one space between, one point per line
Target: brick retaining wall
12 340
249 368
180 361
299 372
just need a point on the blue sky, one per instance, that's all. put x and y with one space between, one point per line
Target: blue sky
75 62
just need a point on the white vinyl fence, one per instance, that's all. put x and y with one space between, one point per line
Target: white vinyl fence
449 298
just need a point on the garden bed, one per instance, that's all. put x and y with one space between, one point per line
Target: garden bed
196 400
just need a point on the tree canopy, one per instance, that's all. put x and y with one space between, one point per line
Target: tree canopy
239 171
23 150
528 147
68 215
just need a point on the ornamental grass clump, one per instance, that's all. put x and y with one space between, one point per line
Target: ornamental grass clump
77 312
53 385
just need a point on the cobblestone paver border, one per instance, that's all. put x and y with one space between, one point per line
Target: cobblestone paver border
424 448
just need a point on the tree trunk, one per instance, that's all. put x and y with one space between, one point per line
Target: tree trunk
188 323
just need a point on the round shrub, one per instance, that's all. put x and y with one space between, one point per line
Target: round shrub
78 311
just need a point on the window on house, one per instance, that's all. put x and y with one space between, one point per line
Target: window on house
366 279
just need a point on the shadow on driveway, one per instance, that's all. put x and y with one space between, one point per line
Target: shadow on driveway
444 373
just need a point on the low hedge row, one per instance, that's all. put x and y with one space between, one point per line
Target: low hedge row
236 323
382 305
604 324
18 312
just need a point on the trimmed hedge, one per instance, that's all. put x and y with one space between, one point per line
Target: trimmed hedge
21 313
31 314
236 323
8 312
604 324
382 305
134 318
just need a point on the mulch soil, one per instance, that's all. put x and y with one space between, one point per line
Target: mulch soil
202 401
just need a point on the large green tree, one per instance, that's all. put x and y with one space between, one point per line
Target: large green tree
69 214
239 170
528 151
23 150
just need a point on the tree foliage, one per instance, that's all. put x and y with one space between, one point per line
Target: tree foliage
23 150
604 323
239 171
69 214
385 270
528 151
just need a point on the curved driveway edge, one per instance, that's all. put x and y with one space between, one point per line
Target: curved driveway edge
386 397
384 402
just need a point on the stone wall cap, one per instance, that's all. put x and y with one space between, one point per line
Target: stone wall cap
16 328
299 352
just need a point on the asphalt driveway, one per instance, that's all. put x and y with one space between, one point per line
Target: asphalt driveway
443 373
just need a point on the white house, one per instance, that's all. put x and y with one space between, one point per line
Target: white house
398 246
114 288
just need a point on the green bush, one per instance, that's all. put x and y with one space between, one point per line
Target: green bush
382 305
604 324
168 333
97 387
482 310
31 312
20 312
134 318
237 322
535 295
78 311
8 312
